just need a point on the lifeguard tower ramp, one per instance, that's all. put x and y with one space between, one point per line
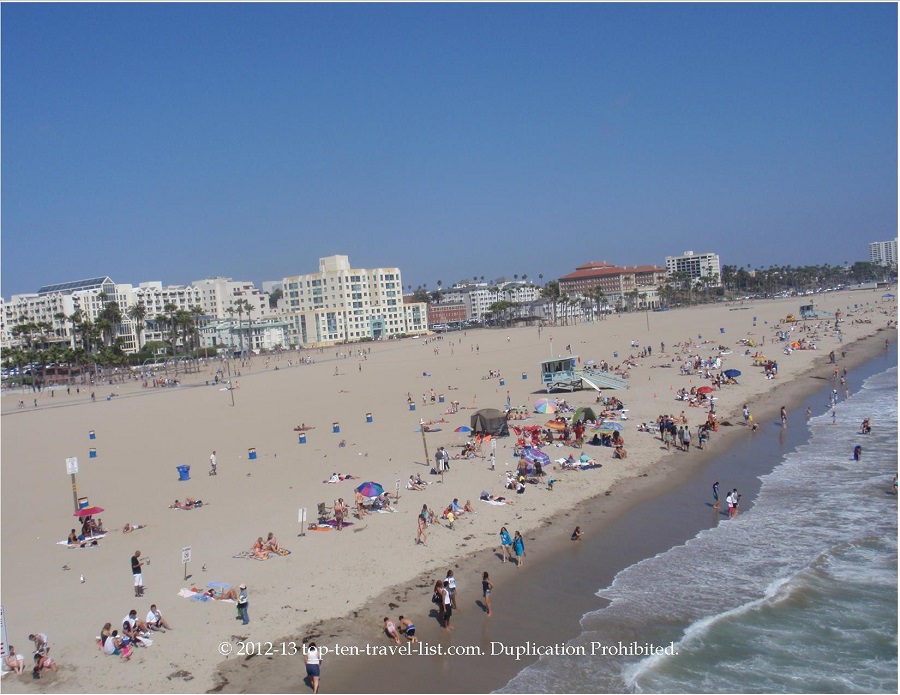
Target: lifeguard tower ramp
562 374
603 380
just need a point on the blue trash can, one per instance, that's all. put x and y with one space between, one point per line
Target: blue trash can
92 453
184 472
441 398
502 382
524 376
368 417
83 503
251 454
301 438
92 435
412 406
721 330
335 427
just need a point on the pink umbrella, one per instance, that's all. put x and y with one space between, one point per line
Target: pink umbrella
88 511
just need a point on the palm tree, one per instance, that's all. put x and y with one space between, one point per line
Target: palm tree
137 313
551 291
196 313
171 309
599 297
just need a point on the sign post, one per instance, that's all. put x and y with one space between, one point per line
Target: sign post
397 489
301 519
72 469
425 444
185 559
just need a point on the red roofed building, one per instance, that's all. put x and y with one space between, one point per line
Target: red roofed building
616 282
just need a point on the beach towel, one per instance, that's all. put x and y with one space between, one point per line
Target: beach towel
87 544
494 502
200 596
333 524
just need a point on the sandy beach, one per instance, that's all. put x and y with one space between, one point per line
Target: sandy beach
339 584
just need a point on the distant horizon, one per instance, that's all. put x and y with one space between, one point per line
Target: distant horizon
173 142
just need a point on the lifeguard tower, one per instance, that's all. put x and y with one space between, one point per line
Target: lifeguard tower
809 311
563 374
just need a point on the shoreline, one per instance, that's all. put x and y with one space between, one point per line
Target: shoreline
141 439
549 542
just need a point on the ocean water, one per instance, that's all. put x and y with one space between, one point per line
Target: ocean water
796 594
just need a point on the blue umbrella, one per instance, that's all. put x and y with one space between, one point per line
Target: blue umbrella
732 373
609 427
219 585
370 489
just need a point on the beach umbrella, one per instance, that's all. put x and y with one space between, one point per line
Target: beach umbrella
533 455
219 585
370 489
732 373
463 428
544 406
556 426
705 389
88 511
609 427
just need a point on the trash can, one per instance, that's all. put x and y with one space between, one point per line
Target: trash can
184 472
412 406
251 454
503 382
335 427
524 376
721 330
92 435
92 453
368 417
301 438
83 503
440 398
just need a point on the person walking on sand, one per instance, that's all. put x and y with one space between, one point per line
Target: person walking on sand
486 587
519 547
716 495
422 529
505 544
313 666
212 463
451 581
243 605
783 416
448 605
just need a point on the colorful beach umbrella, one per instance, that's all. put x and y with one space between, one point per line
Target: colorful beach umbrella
609 427
88 511
732 373
370 489
544 406
705 389
533 455
463 428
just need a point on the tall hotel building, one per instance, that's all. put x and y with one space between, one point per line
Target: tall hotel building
341 303
696 265
883 253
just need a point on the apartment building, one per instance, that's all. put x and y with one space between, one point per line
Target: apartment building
340 303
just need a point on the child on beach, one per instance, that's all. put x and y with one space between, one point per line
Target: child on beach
486 587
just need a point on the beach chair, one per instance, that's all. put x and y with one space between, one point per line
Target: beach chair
324 512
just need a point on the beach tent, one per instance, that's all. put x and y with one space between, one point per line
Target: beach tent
584 413
490 421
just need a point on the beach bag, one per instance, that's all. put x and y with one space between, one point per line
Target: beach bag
437 599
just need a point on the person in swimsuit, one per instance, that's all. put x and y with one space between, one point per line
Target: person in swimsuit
339 510
409 629
486 587
391 630
577 534
716 495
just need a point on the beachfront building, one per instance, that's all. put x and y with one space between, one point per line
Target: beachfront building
478 297
270 333
883 253
223 297
446 313
345 304
694 267
635 287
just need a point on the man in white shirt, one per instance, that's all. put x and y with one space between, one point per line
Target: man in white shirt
155 621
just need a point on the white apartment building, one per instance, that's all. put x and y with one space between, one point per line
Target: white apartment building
218 295
696 265
263 334
341 303
479 296
883 253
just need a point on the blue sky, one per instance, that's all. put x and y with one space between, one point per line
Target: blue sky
179 141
